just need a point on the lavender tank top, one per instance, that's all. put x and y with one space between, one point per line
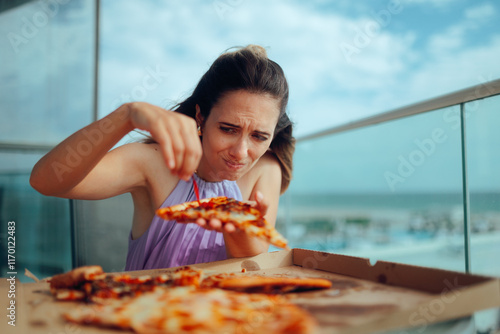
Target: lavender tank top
168 244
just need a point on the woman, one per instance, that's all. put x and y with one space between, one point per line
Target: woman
232 135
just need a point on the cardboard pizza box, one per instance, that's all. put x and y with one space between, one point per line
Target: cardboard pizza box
364 298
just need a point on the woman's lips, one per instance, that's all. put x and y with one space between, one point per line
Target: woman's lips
234 165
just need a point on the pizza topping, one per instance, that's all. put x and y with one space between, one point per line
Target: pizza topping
69 294
187 276
228 210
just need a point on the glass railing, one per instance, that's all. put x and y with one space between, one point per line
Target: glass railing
39 235
483 166
396 190
48 82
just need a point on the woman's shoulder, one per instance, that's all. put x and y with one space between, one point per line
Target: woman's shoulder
268 161
146 157
149 155
267 164
139 150
149 160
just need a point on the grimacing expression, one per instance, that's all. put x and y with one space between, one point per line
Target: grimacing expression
236 134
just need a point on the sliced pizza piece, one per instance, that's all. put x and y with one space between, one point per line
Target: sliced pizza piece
121 286
69 285
91 283
228 210
76 277
264 284
191 310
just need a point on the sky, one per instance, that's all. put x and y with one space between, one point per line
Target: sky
344 60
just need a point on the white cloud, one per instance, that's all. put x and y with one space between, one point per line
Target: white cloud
455 36
480 12
435 3
452 38
456 70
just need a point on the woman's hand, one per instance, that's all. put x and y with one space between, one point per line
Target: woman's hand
216 225
176 134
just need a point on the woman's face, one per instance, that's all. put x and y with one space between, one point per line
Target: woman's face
236 134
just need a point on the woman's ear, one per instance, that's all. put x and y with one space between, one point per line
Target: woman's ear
199 117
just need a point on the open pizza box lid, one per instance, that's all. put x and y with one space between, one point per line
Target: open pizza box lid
364 298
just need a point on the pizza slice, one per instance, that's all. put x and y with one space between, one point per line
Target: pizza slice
90 283
76 277
192 310
228 210
264 284
69 285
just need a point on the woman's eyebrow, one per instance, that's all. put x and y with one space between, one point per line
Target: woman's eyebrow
229 124
262 133
237 126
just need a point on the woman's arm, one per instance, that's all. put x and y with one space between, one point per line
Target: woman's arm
81 165
65 166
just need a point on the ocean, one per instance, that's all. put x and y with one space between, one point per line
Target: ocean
480 202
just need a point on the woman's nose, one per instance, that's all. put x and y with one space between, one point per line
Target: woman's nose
239 150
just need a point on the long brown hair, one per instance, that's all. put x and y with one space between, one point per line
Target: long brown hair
249 69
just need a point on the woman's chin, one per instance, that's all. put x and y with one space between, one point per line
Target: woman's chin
230 175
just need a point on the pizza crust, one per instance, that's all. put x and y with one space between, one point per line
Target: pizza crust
76 277
264 284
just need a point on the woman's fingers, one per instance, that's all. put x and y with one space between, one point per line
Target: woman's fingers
215 225
261 203
178 148
201 222
175 133
191 151
229 228
167 150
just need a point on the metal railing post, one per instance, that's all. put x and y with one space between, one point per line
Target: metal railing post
465 190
